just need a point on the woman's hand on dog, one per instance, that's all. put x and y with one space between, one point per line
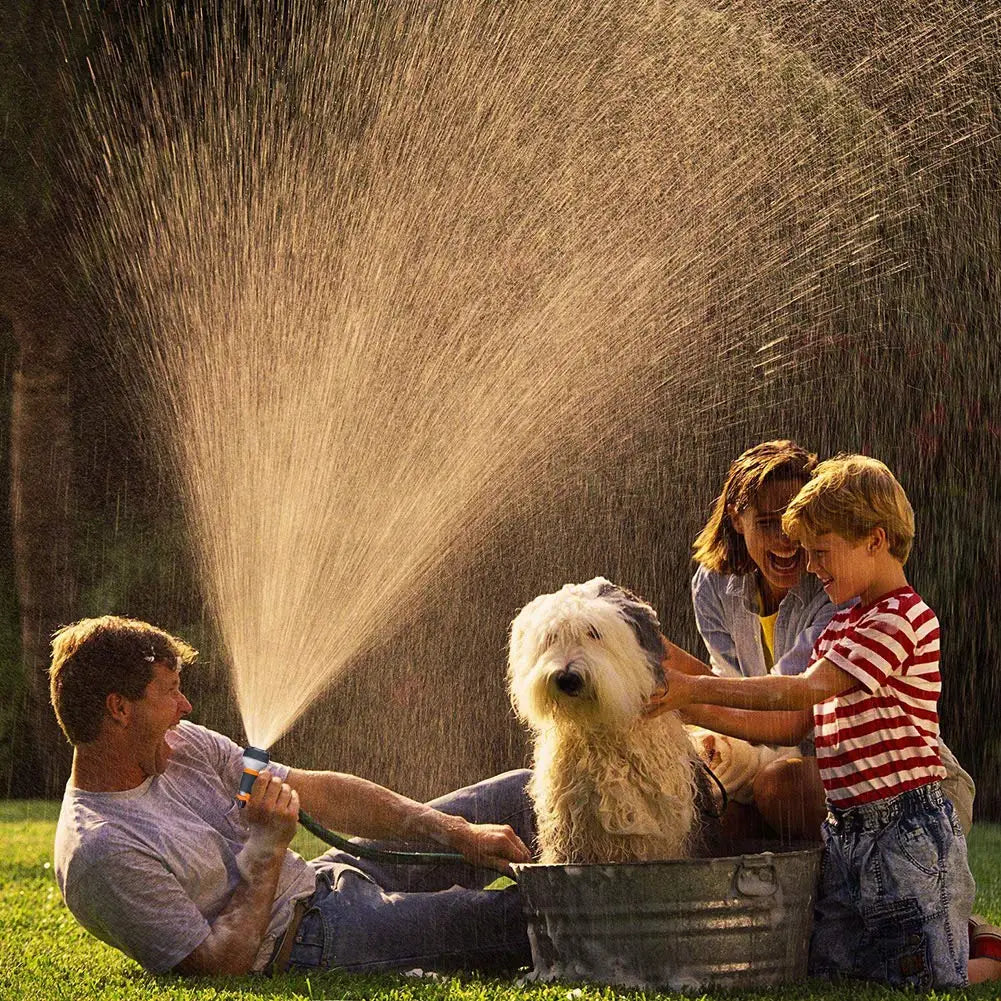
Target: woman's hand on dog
676 659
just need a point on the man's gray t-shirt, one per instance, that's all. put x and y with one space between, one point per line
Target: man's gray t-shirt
147 870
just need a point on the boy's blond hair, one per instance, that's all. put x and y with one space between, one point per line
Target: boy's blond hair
851 495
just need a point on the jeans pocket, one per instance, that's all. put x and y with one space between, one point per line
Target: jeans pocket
833 876
921 844
310 939
954 821
899 954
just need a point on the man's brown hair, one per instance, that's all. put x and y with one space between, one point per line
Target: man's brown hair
851 495
93 658
719 546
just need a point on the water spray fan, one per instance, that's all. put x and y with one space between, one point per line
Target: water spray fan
255 760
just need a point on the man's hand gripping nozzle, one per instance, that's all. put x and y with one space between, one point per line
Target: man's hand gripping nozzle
254 762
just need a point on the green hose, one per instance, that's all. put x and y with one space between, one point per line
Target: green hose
255 759
376 854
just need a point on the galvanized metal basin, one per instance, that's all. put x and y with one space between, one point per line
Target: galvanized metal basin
740 921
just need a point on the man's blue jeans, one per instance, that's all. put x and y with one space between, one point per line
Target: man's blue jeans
370 916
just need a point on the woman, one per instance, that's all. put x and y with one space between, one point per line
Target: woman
758 611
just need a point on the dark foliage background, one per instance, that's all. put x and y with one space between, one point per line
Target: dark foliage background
910 376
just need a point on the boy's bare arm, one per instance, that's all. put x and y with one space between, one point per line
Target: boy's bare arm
822 681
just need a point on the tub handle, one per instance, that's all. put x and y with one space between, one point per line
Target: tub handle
756 879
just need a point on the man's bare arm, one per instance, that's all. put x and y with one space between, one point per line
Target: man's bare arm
238 930
358 807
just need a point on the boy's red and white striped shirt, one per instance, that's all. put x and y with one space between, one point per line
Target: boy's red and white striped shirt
881 737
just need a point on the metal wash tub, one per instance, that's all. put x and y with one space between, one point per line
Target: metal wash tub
740 921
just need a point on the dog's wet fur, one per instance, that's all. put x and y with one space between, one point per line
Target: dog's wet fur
609 785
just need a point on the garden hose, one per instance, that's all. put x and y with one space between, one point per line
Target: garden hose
375 854
256 759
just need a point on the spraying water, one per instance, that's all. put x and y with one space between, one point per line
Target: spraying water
386 269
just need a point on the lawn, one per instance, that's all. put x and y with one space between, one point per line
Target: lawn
44 955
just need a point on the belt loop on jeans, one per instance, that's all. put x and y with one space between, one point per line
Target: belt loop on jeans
878 814
283 950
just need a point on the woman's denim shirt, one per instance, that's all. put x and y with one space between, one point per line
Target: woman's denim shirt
726 613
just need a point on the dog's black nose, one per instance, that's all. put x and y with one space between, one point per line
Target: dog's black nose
569 682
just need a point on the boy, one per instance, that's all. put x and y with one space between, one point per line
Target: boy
896 891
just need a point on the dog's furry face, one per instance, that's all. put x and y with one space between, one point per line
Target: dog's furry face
607 785
590 653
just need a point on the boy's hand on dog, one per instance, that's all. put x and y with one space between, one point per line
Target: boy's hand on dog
671 696
656 704
676 663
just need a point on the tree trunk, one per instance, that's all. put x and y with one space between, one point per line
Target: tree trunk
41 458
44 45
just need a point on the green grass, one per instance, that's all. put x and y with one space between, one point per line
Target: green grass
45 955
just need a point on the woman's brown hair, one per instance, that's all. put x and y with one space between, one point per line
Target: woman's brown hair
719 546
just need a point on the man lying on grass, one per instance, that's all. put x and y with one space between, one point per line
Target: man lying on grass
154 856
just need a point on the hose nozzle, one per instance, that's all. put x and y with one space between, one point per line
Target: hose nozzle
254 762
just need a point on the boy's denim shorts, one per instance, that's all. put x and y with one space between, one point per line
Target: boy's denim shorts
896 893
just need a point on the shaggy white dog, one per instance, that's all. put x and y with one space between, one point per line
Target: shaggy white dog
608 785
